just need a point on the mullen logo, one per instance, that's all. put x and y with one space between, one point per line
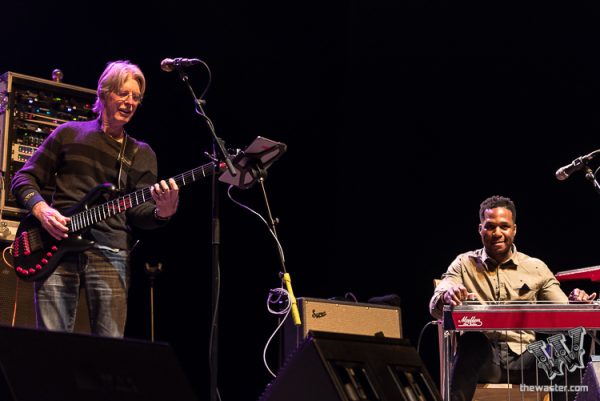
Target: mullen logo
469 322
560 356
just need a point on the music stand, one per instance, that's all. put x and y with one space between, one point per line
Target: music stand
252 163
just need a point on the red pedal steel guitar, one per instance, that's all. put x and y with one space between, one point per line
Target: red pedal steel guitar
586 273
36 253
521 316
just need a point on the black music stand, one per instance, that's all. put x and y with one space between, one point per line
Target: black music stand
252 162
251 165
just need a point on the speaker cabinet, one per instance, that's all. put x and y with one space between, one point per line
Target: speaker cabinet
346 367
52 366
16 299
341 317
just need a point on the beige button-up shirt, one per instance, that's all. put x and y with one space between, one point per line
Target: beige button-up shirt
521 278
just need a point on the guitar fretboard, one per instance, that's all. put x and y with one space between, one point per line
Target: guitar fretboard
93 215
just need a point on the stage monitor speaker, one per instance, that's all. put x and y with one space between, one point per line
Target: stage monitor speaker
16 299
51 366
341 317
346 367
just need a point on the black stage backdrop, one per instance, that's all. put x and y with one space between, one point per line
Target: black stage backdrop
400 117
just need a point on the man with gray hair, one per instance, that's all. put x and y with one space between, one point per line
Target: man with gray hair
72 162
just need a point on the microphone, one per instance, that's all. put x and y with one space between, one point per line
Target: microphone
564 172
170 64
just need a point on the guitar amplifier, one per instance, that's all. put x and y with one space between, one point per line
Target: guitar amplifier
341 317
17 298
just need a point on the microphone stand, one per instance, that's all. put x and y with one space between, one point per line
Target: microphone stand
218 148
200 111
152 272
590 176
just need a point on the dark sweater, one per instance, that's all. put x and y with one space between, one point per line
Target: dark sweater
73 160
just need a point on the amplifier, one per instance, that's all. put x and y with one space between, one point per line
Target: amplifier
17 298
30 109
341 317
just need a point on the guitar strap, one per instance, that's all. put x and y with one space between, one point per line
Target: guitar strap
128 150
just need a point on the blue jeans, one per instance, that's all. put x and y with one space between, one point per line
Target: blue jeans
104 273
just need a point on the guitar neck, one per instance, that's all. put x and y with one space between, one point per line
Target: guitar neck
90 216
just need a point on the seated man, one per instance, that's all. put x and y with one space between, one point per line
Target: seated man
497 272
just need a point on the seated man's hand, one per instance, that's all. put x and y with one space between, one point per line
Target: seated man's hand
578 295
456 294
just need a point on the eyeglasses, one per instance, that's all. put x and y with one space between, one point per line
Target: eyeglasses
123 95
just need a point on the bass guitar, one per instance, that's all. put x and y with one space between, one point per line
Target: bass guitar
36 253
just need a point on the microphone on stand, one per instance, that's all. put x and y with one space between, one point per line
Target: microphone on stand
564 172
171 64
